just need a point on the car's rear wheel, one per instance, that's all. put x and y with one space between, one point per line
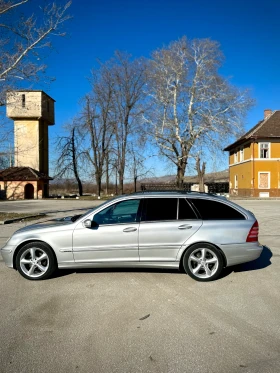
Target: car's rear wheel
36 261
203 262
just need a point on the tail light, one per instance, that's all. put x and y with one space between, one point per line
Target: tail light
254 233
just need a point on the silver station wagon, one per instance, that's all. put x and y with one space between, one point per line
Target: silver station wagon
197 232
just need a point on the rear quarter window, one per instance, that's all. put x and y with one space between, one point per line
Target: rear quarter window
186 212
215 210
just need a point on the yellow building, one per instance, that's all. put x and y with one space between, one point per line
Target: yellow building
254 159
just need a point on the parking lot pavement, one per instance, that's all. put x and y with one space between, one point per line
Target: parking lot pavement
46 205
146 320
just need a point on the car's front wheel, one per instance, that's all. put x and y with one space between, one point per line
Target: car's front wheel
36 261
203 262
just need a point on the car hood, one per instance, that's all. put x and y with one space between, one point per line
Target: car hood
48 224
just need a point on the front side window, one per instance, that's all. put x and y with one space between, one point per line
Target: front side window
235 157
214 210
122 212
157 209
264 150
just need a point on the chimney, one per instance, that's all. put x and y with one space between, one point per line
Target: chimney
267 113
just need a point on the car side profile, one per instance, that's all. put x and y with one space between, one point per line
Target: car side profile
197 232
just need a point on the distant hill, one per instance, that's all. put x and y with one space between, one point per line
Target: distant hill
220 176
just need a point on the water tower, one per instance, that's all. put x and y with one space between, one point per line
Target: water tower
32 112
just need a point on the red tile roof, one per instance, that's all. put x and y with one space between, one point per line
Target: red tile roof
22 174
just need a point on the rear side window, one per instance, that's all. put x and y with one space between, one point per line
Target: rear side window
156 209
185 210
214 210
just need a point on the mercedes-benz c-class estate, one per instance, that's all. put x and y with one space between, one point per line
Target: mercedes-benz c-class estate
199 233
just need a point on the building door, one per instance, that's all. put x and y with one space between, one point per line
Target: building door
29 191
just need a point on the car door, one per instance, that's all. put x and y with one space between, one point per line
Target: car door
166 224
113 236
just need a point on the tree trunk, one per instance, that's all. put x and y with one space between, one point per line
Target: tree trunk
116 182
80 186
181 169
121 181
74 160
200 173
107 173
98 184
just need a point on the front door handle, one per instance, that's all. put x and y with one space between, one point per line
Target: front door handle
130 229
185 226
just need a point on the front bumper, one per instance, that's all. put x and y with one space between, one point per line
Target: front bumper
7 255
241 253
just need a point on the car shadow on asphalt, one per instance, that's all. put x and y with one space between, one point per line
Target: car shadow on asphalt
262 262
66 272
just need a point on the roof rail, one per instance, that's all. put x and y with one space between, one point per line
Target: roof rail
172 191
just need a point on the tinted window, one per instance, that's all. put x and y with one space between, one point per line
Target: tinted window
160 209
122 212
185 210
213 210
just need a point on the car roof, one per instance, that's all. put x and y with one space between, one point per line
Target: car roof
173 193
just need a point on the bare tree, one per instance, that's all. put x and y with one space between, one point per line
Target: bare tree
129 78
191 100
23 37
98 123
69 156
136 164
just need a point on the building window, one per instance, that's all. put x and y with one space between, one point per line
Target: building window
23 100
264 180
48 106
235 157
264 150
241 154
235 182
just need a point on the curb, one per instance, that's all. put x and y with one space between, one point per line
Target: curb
9 221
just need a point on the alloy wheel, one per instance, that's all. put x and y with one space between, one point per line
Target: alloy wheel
203 263
34 262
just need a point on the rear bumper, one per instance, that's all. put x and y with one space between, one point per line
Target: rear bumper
241 253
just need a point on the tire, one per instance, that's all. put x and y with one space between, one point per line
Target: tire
36 261
203 262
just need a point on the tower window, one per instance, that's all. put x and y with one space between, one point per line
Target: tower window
23 100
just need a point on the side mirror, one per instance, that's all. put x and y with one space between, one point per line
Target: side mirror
87 223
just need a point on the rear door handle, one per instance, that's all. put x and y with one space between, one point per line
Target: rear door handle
130 229
185 226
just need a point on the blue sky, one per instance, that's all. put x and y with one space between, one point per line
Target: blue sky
248 32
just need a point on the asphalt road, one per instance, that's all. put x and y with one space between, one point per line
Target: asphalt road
47 205
146 321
